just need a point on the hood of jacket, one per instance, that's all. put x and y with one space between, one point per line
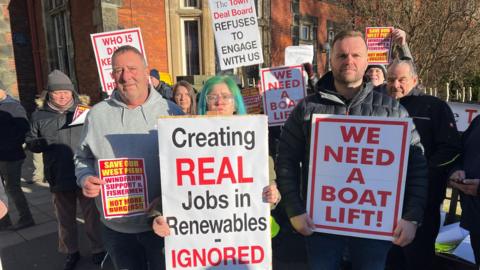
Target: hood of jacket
153 98
416 91
9 99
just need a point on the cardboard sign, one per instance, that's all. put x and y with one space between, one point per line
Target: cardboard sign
105 44
125 193
464 113
357 174
212 192
252 100
283 88
379 45
297 55
236 33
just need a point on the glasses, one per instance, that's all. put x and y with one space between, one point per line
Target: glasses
216 98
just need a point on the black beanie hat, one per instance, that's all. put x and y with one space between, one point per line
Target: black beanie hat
382 67
154 73
57 80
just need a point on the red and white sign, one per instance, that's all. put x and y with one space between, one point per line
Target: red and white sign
283 88
357 174
79 115
237 36
464 113
379 45
212 192
105 44
125 193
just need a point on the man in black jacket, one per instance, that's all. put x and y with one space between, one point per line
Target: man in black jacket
343 92
435 123
53 135
13 126
466 178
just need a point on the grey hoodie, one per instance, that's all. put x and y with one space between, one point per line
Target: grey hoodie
112 130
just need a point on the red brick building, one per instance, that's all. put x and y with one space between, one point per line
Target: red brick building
177 34
304 22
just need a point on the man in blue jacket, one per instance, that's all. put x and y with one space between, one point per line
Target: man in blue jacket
13 125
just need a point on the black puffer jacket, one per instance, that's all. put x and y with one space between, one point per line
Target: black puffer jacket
51 134
470 162
295 144
435 123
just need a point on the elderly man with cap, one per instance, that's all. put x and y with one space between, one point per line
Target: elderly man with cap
162 87
13 126
53 135
435 123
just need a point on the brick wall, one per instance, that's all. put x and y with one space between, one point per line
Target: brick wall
323 11
7 63
149 15
282 21
280 25
22 46
81 21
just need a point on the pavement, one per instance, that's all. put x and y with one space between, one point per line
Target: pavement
36 247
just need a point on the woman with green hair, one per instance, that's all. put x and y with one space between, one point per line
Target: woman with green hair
221 95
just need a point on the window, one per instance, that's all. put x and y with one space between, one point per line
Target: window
190 3
190 28
59 43
305 32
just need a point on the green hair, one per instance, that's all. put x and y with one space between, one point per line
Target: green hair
232 86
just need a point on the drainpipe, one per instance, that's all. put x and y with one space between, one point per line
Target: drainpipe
35 46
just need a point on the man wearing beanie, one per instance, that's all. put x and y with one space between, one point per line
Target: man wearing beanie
377 74
162 87
52 135
13 126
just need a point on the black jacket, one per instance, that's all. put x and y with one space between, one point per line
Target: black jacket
165 90
51 134
470 162
295 144
13 126
435 123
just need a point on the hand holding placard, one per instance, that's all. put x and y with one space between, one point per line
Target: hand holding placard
302 224
92 186
160 226
404 232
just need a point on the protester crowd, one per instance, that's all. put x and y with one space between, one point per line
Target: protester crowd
122 126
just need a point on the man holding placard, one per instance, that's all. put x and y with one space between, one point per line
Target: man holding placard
343 92
118 159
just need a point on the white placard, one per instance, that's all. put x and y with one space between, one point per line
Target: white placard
357 174
236 33
212 181
297 55
464 113
105 44
283 88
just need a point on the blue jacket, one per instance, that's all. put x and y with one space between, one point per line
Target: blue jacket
13 127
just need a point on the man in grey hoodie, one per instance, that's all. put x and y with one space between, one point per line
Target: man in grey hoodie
124 126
